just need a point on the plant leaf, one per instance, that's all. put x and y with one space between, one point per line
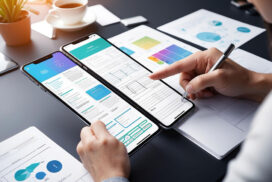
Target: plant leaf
10 10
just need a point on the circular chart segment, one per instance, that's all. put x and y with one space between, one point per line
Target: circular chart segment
54 166
243 29
208 36
40 175
216 23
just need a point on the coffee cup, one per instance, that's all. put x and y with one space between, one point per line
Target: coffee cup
69 11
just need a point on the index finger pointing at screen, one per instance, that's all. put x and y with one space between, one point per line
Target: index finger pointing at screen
186 64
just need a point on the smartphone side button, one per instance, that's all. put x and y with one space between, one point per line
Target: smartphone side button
43 89
31 79
36 83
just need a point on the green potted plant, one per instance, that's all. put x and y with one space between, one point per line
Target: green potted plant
14 22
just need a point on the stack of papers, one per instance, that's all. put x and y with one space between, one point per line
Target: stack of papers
220 123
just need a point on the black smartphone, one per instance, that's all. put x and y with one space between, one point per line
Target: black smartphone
6 64
130 77
90 97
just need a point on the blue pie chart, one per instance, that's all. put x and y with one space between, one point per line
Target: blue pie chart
40 175
243 29
54 166
208 36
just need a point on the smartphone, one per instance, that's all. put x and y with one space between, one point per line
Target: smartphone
130 77
6 64
90 98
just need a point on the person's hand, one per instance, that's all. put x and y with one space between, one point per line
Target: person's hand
230 80
102 154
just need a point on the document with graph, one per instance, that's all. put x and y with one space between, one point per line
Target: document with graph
153 49
31 156
209 29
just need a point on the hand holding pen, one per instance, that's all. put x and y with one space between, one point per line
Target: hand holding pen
197 79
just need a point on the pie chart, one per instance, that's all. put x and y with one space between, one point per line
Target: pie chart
208 36
243 29
54 166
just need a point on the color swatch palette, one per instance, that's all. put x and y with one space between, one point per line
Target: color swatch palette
146 43
170 55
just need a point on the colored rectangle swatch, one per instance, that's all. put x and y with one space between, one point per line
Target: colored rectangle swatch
170 55
98 92
146 43
127 51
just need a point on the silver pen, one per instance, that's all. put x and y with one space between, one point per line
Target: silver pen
218 63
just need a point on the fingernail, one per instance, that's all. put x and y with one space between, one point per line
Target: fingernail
189 88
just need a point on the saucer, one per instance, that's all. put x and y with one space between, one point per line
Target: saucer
57 23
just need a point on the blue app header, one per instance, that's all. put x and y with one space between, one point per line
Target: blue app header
50 67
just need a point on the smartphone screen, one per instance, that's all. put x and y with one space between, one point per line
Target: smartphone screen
130 77
91 99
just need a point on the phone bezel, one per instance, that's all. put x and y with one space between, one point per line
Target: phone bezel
11 68
140 144
88 37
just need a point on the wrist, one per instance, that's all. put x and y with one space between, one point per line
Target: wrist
116 179
112 174
259 86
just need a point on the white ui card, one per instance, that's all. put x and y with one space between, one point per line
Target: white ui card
209 29
31 156
153 49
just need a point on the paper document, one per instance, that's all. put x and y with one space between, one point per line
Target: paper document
103 16
219 124
153 49
44 28
251 61
209 29
32 156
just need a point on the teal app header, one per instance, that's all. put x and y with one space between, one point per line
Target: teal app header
90 48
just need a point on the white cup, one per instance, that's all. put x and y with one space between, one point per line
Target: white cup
69 16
